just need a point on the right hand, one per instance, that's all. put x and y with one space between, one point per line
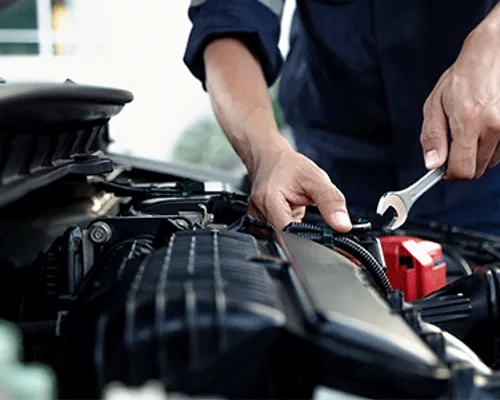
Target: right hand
284 182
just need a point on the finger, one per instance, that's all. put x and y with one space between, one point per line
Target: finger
298 213
434 136
330 201
486 148
278 211
489 148
462 158
254 212
495 158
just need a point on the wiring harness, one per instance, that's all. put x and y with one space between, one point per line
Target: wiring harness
330 238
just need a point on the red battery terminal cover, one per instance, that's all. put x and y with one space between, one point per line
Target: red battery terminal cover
414 266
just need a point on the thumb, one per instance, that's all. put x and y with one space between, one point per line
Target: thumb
434 136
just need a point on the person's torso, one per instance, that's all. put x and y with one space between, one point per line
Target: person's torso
359 72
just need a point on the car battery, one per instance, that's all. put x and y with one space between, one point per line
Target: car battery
414 266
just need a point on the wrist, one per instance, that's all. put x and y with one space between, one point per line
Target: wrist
263 139
265 151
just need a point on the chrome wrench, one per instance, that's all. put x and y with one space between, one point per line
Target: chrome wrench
401 201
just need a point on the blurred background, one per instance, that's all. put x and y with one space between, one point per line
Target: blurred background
136 45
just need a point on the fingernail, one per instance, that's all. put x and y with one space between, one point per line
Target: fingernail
342 219
431 159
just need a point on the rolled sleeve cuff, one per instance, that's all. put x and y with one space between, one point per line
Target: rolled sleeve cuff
251 21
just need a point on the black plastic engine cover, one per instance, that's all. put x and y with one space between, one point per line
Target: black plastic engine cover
217 313
41 104
51 130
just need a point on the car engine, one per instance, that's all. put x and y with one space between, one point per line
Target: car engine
121 277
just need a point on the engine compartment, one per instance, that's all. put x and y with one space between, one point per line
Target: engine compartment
128 275
175 283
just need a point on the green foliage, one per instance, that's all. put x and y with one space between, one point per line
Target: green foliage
278 115
204 143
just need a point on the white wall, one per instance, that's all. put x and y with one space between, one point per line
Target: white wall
142 43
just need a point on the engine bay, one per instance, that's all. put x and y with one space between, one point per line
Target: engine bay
115 277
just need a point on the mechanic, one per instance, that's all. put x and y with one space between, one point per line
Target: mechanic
376 91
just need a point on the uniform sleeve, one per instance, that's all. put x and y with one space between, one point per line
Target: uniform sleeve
256 22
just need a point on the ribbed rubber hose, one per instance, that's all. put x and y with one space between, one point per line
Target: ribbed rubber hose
294 227
369 262
314 236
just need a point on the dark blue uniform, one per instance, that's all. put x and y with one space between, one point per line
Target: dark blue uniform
353 87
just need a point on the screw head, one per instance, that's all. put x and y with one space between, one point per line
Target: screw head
100 232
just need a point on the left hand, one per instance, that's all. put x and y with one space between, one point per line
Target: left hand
465 103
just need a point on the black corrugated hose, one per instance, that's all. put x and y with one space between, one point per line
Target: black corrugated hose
314 236
295 227
369 262
317 234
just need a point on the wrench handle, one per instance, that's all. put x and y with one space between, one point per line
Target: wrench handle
421 186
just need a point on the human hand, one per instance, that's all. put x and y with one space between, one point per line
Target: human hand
284 182
465 104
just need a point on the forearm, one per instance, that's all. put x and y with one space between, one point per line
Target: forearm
494 16
490 25
241 101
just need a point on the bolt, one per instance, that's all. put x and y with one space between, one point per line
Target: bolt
100 232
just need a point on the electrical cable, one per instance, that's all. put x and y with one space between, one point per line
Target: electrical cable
317 233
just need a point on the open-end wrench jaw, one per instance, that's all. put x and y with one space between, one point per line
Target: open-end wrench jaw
392 200
401 201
